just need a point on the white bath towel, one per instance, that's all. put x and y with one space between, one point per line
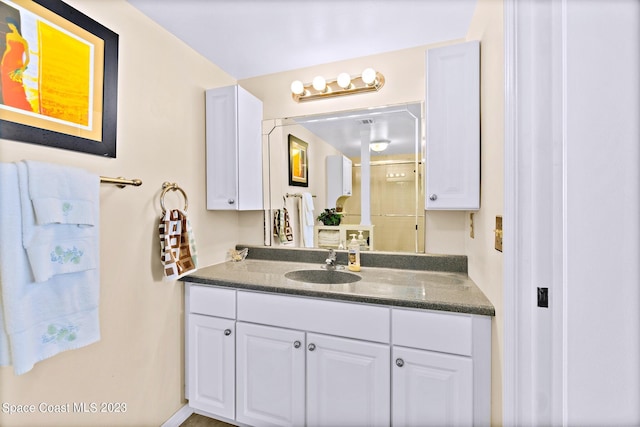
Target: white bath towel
61 194
40 319
307 219
57 245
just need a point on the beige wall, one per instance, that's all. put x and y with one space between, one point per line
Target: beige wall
485 263
139 360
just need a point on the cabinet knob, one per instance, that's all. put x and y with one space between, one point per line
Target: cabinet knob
231 201
297 344
227 332
311 347
433 197
399 363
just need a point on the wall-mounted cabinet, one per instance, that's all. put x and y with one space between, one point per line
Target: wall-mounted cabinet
453 127
339 179
234 149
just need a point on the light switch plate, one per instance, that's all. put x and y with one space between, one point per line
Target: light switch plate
498 232
471 228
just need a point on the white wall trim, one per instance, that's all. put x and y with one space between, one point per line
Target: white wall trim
179 417
509 374
534 211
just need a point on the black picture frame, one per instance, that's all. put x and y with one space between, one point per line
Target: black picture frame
298 162
105 144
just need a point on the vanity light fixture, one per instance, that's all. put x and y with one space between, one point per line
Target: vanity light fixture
379 145
370 80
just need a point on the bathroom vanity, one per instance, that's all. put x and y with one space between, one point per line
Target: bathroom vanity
396 347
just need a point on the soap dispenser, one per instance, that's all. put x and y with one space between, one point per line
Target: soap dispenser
362 242
354 254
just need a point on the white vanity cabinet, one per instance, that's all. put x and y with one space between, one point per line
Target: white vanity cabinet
301 353
452 158
320 362
234 149
211 349
441 368
339 178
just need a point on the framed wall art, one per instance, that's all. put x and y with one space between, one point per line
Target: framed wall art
59 77
298 162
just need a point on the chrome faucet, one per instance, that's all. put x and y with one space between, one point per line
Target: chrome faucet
330 262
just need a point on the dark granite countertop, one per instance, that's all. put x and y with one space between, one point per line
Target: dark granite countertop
434 290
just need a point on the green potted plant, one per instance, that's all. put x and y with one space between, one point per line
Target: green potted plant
330 217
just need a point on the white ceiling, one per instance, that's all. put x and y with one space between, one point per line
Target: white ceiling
249 38
396 124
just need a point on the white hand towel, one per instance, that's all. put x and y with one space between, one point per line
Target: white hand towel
307 219
41 319
58 248
61 194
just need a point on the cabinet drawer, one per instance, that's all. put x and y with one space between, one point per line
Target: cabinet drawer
212 301
344 319
428 330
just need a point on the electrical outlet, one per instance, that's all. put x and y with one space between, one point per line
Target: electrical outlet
543 297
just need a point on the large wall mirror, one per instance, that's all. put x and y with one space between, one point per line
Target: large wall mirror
367 164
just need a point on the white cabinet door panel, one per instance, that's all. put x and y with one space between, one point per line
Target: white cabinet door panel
270 376
348 382
234 149
453 127
431 389
212 365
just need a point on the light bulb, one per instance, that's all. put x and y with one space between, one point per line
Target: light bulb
378 146
297 87
369 76
319 83
344 80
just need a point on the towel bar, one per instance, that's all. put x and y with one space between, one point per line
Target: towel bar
297 195
120 181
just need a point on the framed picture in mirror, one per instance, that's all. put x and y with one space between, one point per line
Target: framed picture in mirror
298 162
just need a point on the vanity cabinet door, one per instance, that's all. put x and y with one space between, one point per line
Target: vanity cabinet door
348 382
431 389
211 364
234 149
453 127
270 376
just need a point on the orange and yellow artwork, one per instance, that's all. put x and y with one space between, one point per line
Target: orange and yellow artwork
298 162
48 71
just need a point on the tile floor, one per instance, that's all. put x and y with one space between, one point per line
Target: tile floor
196 420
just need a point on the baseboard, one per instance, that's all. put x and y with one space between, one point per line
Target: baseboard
179 417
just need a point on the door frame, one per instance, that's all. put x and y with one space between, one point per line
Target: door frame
534 211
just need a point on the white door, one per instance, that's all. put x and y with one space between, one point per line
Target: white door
348 382
431 389
452 160
212 364
270 376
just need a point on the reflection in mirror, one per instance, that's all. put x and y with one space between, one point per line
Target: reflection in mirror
366 164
